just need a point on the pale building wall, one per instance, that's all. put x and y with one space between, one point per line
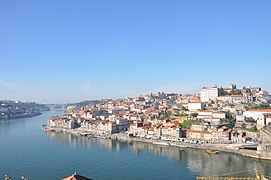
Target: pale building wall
207 94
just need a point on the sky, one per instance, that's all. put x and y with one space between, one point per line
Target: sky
60 51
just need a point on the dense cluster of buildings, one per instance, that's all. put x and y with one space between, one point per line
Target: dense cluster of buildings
215 115
18 109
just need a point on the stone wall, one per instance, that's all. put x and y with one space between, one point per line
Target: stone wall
264 148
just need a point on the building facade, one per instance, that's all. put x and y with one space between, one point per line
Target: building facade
207 94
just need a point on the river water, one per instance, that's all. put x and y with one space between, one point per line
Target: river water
24 148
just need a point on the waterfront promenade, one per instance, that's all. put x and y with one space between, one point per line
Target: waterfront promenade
230 148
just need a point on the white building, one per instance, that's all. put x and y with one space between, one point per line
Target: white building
207 94
263 120
256 113
224 98
194 106
211 116
220 115
240 119
268 120
204 114
88 115
122 121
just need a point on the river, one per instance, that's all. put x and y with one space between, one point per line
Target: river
52 156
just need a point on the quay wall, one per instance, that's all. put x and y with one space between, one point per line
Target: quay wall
230 148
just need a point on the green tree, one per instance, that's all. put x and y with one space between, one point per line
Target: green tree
186 124
221 91
249 119
194 115
253 129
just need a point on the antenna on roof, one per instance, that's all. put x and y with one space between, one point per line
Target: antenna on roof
26 178
28 174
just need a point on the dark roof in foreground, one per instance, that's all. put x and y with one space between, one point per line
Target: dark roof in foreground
76 176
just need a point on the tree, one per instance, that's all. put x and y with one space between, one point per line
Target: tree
221 91
183 114
194 115
186 124
253 129
250 119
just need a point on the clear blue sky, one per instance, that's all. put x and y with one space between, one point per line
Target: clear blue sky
55 51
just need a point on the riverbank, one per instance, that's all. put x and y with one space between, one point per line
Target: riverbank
228 148
23 115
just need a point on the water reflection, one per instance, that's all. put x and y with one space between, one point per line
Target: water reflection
6 124
197 161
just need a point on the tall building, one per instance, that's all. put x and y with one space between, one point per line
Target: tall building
207 94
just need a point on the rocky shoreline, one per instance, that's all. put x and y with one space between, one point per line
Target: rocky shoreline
229 148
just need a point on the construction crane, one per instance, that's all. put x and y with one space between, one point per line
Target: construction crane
223 176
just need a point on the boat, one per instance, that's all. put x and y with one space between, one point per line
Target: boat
47 129
211 151
162 143
43 126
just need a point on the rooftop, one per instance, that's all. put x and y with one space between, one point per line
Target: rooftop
76 176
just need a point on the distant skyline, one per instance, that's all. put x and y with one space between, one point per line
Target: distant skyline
67 51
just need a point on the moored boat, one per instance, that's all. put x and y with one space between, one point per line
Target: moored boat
47 129
43 126
162 143
211 151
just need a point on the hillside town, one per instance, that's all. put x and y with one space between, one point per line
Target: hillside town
218 115
17 109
